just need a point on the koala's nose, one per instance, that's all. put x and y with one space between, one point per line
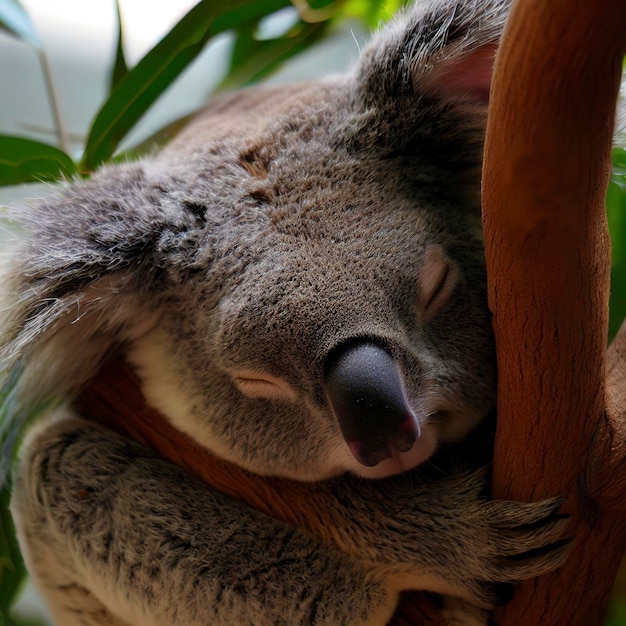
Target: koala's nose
364 388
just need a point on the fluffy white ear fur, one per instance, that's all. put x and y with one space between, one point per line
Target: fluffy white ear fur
69 336
43 364
445 50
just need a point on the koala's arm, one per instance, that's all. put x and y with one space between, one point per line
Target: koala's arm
114 535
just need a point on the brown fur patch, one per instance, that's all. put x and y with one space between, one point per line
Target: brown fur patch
253 163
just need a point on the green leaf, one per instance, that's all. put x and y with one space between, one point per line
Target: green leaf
24 161
253 59
120 68
12 571
616 214
15 21
372 12
245 11
137 91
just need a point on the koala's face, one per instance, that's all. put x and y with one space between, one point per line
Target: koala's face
313 237
298 278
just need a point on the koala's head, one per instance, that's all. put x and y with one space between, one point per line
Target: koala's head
298 278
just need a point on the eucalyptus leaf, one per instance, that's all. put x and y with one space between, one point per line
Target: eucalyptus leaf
12 571
616 214
246 11
243 48
253 59
143 84
24 160
138 90
15 21
372 12
120 67
388 8
322 4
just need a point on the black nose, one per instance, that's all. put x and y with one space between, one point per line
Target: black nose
364 388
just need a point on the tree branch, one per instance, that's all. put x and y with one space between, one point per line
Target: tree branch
547 163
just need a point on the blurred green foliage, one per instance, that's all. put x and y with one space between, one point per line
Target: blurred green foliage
616 213
134 90
12 571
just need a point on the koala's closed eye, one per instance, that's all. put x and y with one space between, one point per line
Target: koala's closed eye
260 385
438 280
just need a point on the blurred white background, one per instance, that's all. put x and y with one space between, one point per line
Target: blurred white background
79 39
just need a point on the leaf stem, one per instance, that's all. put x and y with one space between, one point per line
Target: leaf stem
54 102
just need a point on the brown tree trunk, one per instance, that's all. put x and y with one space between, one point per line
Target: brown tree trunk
547 163
561 424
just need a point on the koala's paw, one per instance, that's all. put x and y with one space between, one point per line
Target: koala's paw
512 541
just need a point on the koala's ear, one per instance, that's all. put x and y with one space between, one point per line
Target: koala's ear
436 48
82 273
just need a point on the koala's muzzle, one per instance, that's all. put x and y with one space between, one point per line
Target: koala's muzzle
364 388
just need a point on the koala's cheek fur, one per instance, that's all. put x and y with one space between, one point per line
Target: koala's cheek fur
282 438
295 437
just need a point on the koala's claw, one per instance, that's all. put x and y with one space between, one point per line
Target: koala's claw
524 529
527 541
535 562
510 541
524 513
527 513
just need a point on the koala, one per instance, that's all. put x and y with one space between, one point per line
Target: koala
298 281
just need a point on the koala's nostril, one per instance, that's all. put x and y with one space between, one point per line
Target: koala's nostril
367 457
364 388
373 453
403 439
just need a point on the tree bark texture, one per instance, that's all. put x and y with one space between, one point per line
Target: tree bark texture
561 424
560 398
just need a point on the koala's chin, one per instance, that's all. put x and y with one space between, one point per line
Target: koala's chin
398 462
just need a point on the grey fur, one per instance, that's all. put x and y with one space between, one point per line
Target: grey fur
280 225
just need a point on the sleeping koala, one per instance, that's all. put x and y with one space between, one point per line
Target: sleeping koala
298 281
